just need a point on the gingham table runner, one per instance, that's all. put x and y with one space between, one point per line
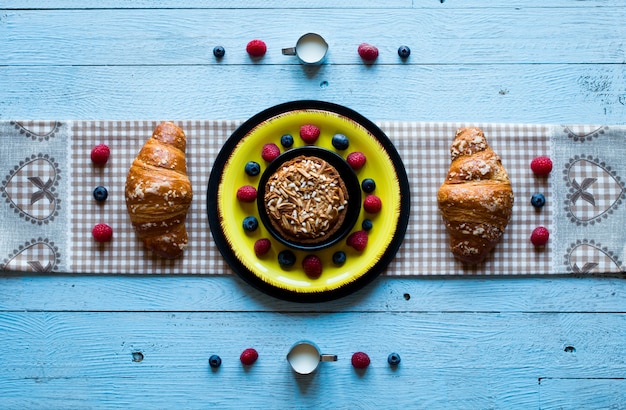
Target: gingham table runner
47 210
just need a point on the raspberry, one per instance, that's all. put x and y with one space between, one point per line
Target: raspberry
256 48
100 154
312 266
102 233
262 246
270 152
309 133
368 52
541 166
357 240
248 356
246 193
540 236
372 204
360 360
356 160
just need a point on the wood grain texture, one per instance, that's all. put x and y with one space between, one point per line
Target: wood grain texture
554 93
448 359
437 36
67 341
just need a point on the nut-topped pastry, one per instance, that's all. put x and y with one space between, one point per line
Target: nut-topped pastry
306 199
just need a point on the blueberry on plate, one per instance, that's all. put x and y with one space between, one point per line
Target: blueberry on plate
250 223
368 185
340 142
339 258
286 259
538 200
393 359
286 140
215 361
252 168
100 193
219 51
367 225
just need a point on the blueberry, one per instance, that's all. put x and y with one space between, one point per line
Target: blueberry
215 361
339 258
367 224
340 141
368 185
404 52
286 259
250 223
252 168
286 140
393 359
538 200
100 193
219 51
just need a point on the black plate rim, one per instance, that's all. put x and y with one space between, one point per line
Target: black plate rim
255 281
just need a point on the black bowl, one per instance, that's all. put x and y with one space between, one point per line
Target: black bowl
352 186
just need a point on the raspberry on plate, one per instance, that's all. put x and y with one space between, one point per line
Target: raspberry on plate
270 151
256 48
357 240
372 204
102 232
356 160
262 246
541 166
368 52
100 154
312 266
540 236
309 133
246 193
248 356
360 360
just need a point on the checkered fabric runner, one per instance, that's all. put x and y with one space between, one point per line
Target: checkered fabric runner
48 211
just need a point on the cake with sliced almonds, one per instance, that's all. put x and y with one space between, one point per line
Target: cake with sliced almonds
306 199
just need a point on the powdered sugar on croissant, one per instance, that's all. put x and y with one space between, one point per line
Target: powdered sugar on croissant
158 192
476 199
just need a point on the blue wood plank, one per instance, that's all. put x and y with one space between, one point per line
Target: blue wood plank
517 93
68 341
187 37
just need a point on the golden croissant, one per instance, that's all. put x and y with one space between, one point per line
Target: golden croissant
158 192
476 199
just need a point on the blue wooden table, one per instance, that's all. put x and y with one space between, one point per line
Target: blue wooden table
85 341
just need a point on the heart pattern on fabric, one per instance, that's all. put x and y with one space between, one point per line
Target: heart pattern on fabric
581 133
37 255
587 256
30 189
38 131
595 191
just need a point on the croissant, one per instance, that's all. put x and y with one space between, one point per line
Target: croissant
158 192
476 199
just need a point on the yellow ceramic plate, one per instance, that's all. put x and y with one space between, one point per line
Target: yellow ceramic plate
226 213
